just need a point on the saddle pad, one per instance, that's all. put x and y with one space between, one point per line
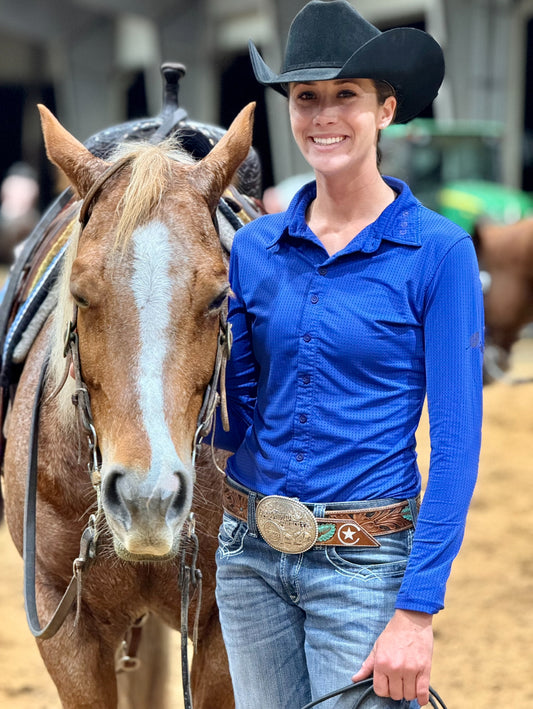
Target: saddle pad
31 300
29 319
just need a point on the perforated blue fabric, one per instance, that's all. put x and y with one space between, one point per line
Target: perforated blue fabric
332 360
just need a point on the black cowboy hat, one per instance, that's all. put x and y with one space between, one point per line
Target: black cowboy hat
329 39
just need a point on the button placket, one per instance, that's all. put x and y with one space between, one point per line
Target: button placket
306 365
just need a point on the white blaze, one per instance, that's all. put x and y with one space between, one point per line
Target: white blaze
153 292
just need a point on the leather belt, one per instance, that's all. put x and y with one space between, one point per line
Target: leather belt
357 527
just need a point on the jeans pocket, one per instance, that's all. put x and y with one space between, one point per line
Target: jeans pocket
231 535
387 561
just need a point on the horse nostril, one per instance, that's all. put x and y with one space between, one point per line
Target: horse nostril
112 498
180 499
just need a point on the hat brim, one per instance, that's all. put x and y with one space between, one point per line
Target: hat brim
410 60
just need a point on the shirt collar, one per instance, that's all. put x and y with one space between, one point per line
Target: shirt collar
398 223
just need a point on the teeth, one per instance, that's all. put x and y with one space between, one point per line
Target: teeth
327 141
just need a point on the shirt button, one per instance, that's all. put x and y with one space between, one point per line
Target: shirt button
303 418
314 298
307 337
299 457
322 270
306 379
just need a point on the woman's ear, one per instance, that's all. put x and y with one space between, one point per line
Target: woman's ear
388 111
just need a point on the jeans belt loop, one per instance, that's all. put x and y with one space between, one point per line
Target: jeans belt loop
319 510
252 523
414 506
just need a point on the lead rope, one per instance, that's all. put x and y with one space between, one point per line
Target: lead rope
434 699
190 575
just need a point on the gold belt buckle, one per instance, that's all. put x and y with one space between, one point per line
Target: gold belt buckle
286 524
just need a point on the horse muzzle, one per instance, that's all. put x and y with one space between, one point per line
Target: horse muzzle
145 513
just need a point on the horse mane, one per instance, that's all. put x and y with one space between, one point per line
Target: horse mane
151 174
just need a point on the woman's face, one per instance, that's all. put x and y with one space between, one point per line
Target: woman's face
336 123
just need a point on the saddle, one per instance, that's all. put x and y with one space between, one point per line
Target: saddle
29 295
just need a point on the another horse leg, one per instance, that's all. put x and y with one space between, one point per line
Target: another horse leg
78 659
84 675
146 687
210 678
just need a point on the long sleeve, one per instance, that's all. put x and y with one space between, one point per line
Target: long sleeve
453 337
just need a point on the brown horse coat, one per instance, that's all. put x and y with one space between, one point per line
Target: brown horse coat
505 254
149 279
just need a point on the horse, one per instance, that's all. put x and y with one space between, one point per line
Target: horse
144 290
505 255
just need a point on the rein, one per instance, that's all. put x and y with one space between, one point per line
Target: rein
87 544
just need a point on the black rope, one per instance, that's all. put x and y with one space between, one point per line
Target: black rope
189 576
434 699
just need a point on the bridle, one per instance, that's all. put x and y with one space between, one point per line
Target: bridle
215 393
189 575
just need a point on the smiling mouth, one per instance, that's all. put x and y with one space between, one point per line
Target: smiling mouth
328 141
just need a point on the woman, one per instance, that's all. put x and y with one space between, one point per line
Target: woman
349 307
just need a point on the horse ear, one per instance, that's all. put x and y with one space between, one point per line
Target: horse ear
215 171
79 165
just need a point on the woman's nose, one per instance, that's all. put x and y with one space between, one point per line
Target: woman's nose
325 114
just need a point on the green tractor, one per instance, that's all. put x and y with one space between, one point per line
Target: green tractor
455 169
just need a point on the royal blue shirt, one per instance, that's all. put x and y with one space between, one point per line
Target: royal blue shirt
333 357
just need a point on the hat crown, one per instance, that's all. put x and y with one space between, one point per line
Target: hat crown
344 31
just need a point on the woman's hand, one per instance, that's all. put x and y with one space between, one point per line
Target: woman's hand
401 658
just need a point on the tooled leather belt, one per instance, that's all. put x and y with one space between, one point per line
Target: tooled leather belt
290 526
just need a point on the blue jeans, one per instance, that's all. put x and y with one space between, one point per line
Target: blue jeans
298 626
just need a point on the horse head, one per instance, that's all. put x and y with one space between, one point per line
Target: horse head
148 279
505 255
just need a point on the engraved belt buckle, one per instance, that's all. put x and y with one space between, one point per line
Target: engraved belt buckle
286 524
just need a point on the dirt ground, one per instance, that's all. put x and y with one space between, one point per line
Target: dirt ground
483 654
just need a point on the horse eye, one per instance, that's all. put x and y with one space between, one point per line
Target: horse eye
218 302
80 301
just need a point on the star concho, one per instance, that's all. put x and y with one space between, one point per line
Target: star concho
349 534
286 524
